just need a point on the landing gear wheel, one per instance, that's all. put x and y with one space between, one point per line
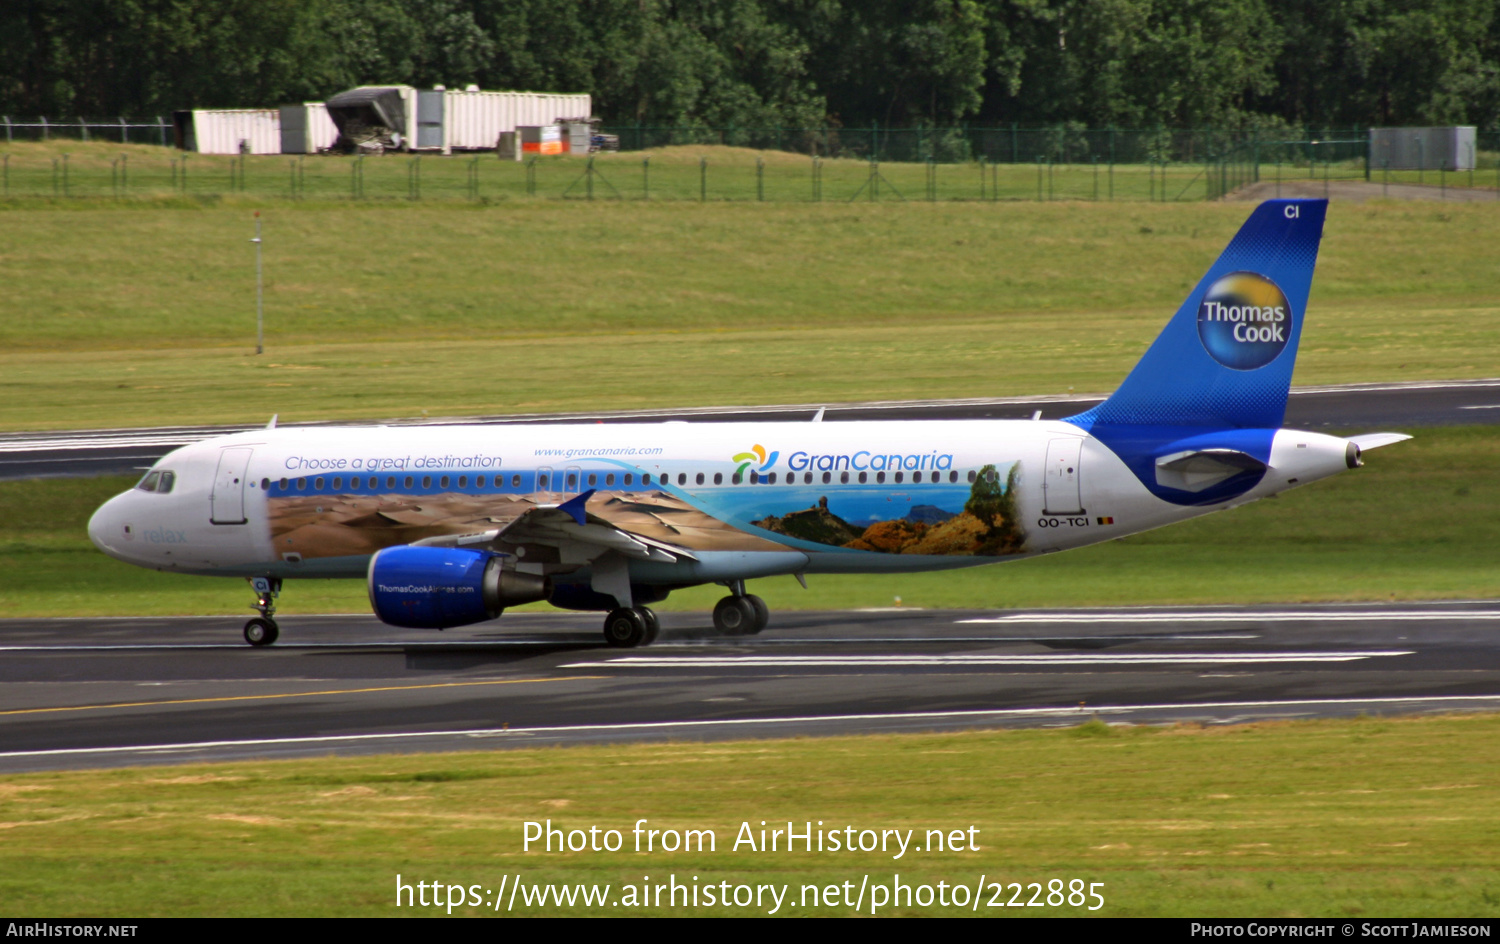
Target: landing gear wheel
653 625
734 616
625 628
261 632
762 614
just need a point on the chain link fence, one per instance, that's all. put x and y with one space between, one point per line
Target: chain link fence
729 164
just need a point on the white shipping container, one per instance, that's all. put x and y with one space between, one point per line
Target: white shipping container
220 130
321 131
474 120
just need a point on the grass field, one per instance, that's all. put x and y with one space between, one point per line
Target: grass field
1358 819
144 315
1416 523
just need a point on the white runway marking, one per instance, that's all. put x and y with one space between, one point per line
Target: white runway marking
1250 616
1129 658
979 716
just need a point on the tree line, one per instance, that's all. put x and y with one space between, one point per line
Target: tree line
784 63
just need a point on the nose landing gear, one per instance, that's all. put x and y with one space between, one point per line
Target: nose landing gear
262 630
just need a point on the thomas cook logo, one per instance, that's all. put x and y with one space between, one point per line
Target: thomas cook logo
756 454
1243 320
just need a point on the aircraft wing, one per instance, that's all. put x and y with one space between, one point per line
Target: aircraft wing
579 536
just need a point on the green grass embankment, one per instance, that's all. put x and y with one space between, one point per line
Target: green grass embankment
1357 819
141 316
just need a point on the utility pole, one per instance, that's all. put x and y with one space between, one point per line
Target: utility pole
260 330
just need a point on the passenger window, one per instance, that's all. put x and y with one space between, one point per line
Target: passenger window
953 476
318 484
301 484
479 481
991 477
700 478
864 477
541 481
629 478
916 477
609 479
735 479
645 478
443 482
843 478
681 478
373 484
972 476
265 485
572 481
515 481
880 476
463 481
593 480
390 481
718 478
827 477
899 477
427 481
771 478
408 481
338 482
807 478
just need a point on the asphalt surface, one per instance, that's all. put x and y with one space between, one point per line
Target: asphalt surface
1350 407
113 692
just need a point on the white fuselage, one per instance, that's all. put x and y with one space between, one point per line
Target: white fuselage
746 499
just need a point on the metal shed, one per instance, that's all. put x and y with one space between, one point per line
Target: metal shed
1449 148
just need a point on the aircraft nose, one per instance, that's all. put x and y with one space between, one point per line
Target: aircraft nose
106 528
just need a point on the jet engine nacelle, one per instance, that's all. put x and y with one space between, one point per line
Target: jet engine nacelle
438 587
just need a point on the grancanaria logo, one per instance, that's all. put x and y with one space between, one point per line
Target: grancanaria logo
1243 320
757 453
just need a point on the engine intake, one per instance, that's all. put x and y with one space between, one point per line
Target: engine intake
438 587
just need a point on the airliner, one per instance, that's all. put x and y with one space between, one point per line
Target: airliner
450 525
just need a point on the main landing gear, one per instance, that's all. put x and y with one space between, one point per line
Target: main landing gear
741 613
262 631
629 627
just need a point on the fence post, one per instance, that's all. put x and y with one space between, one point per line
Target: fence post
645 177
531 177
124 131
162 127
702 180
760 179
7 129
1015 153
1039 178
1096 177
124 173
981 177
67 190
83 129
44 127
817 179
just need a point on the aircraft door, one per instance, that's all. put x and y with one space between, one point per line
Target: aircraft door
228 502
1060 488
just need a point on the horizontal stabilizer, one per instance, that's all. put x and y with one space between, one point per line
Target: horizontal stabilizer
1368 441
1200 469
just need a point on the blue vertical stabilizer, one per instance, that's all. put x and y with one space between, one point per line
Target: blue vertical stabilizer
1225 359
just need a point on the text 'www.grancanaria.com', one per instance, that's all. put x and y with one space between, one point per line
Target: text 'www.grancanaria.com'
867 895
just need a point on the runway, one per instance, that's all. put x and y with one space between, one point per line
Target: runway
109 692
1352 407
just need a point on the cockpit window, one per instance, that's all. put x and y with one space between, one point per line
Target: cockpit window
158 480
